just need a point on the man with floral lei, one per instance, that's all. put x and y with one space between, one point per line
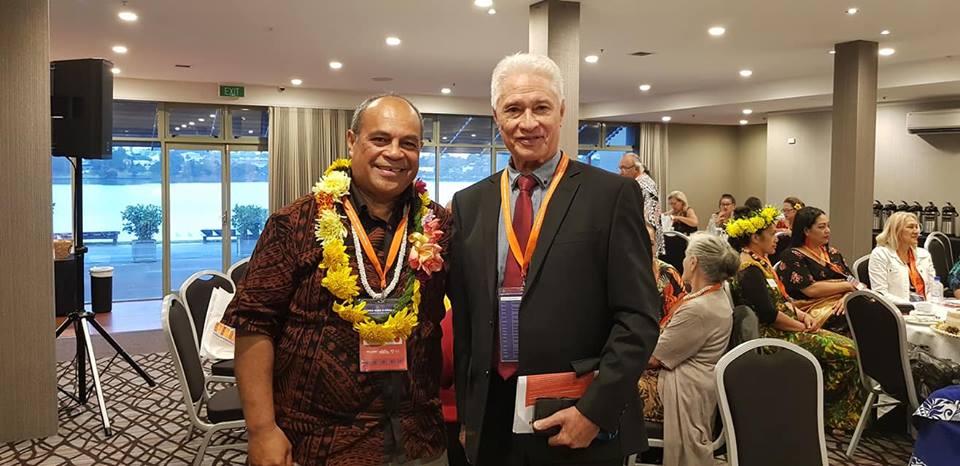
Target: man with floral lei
338 350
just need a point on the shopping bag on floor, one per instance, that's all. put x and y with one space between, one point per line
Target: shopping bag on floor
216 341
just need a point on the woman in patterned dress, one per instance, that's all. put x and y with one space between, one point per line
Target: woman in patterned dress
756 285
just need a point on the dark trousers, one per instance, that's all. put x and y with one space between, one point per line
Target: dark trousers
455 454
499 446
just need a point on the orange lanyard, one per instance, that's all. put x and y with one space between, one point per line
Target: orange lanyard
776 278
915 279
524 256
368 247
824 256
688 297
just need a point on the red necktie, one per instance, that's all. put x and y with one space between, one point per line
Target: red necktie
512 277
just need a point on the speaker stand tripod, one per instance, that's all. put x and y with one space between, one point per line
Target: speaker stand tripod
81 320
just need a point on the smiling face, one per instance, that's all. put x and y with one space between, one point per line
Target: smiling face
529 114
385 154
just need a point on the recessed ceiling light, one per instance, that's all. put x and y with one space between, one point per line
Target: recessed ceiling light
119 49
201 120
191 123
743 122
473 135
393 41
852 11
483 3
644 87
335 65
115 70
591 58
491 11
665 119
717 31
747 111
832 52
885 32
296 81
213 115
249 131
444 138
127 16
746 73
886 52
446 90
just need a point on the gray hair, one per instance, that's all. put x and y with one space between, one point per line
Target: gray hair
525 63
716 258
636 161
362 108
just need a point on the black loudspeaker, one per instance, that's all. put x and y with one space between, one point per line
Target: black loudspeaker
81 106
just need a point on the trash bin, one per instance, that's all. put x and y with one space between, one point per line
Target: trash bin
101 289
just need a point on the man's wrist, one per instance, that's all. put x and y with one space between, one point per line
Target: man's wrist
260 427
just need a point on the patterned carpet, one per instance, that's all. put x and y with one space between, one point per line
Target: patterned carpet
150 425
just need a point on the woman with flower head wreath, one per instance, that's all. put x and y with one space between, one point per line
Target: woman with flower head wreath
757 285
338 319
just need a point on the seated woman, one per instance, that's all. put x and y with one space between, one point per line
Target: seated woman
718 220
814 273
898 268
757 285
684 218
679 388
791 205
669 282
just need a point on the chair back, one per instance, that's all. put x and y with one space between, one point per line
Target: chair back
750 383
783 243
675 246
951 259
746 326
881 340
861 270
939 254
178 330
195 293
238 270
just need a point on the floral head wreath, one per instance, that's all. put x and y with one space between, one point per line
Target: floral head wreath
758 221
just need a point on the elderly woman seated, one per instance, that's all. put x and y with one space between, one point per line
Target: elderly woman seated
898 268
678 387
814 273
758 286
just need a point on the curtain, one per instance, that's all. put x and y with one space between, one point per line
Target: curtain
653 153
302 143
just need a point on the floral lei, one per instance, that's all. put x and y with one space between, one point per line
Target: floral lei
759 221
424 257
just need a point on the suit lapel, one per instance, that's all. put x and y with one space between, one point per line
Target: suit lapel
556 212
490 222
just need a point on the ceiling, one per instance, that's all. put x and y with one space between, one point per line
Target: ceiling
451 43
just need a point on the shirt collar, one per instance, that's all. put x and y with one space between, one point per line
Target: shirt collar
543 173
364 212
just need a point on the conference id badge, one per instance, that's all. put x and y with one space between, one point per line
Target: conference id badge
772 283
390 356
856 283
509 313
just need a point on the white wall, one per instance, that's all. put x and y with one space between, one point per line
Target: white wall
801 169
752 163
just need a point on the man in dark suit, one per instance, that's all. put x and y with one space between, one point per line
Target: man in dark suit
581 283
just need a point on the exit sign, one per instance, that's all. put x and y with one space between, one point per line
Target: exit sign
231 91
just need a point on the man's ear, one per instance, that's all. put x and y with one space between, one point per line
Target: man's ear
563 111
351 140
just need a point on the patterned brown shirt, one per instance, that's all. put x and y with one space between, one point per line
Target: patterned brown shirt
332 413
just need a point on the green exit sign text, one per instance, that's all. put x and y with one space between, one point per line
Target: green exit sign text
231 91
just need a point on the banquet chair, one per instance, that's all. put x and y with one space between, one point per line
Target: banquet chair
675 244
223 409
238 270
951 259
783 243
881 340
195 293
940 254
861 270
751 411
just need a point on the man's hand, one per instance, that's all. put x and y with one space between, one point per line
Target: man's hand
576 431
463 436
269 447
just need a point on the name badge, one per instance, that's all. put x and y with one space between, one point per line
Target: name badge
772 283
390 356
509 328
380 310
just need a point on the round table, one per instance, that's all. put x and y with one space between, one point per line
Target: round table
940 346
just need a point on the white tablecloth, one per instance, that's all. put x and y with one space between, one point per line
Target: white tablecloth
940 346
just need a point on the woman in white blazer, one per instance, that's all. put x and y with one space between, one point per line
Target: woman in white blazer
897 266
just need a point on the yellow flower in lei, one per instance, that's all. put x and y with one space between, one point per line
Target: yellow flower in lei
335 255
733 229
329 227
335 184
759 221
353 313
374 333
339 164
342 283
401 323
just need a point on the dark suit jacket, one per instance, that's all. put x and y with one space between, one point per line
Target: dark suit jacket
590 298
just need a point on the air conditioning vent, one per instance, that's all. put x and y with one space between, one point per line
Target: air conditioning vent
640 54
935 121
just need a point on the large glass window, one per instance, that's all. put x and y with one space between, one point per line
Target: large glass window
133 119
465 129
248 195
61 175
602 144
196 212
428 169
249 122
194 121
459 168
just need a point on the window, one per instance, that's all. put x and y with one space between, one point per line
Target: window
465 129
195 121
459 168
428 170
602 144
132 119
249 122
589 133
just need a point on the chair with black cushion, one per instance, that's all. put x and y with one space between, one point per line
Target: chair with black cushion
940 254
195 293
762 429
861 270
675 246
238 270
881 339
951 259
223 409
783 243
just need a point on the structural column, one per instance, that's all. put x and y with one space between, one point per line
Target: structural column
555 32
854 140
28 399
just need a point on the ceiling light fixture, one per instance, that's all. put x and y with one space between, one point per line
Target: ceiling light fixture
201 120
832 52
191 123
473 135
717 31
213 115
296 81
747 111
445 90
491 11
119 49
644 87
483 3
743 122
665 119
885 32
886 52
591 58
335 65
393 41
249 131
127 16
852 11
115 70
746 73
